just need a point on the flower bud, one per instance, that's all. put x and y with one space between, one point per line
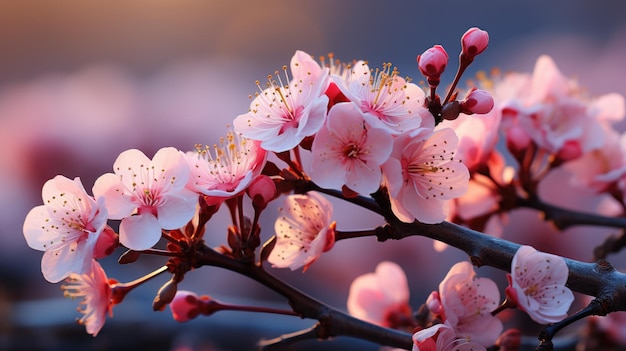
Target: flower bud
510 340
477 101
165 295
517 140
473 42
570 150
185 306
106 243
262 190
432 63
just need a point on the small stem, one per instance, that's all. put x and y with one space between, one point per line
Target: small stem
341 235
505 305
161 253
288 339
135 283
463 64
564 218
225 307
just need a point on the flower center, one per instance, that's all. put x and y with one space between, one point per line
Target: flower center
422 168
531 290
351 151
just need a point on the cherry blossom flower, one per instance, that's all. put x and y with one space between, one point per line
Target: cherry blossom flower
381 297
537 285
600 169
441 337
283 114
229 170
303 231
348 151
465 303
388 100
422 174
95 289
147 195
550 110
66 227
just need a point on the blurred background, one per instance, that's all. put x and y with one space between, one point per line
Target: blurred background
82 81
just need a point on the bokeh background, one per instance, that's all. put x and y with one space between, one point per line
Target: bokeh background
81 81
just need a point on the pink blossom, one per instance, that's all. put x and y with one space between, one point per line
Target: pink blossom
548 108
478 137
442 337
465 303
348 151
283 114
228 170
303 231
388 100
95 289
66 227
600 169
422 174
537 285
147 195
381 297
474 42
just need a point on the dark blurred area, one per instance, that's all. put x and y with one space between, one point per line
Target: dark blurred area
81 81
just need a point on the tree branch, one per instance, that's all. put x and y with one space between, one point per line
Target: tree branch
333 322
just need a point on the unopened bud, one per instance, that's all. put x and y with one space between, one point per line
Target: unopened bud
517 140
165 295
510 340
185 306
570 150
477 101
106 243
129 256
262 190
432 63
474 42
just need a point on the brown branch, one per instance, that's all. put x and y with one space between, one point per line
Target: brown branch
563 218
332 321
598 279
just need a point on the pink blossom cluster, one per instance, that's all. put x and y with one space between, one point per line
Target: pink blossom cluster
463 312
367 134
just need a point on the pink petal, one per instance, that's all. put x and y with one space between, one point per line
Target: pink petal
176 170
36 236
118 202
57 265
177 210
140 232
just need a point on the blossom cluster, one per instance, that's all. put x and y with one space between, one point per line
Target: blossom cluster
368 133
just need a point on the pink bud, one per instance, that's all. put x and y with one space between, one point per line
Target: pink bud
517 140
510 340
570 150
185 306
474 41
262 190
106 243
433 62
477 101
